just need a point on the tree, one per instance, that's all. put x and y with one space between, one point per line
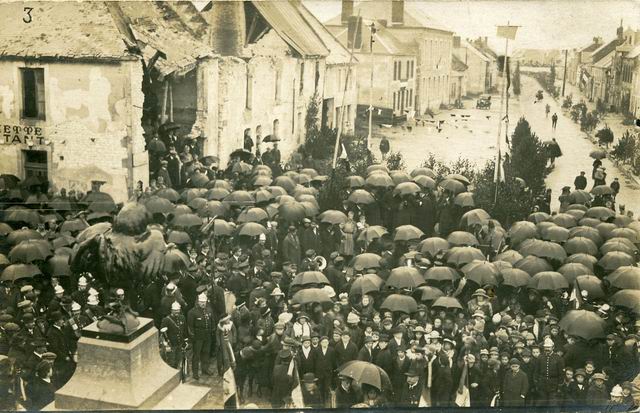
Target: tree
605 136
551 79
527 159
516 80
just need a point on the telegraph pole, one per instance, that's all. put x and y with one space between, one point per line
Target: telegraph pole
369 135
564 76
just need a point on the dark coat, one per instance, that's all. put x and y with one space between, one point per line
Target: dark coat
597 396
384 360
344 354
580 182
325 364
336 278
365 355
442 386
410 397
345 399
579 395
312 399
39 393
291 249
282 385
200 323
514 389
306 364
397 376
548 371
310 240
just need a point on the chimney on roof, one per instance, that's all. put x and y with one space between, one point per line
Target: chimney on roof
227 27
456 41
597 40
347 11
397 12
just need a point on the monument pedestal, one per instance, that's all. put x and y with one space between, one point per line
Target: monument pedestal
117 371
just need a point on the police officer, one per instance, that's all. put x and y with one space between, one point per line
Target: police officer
200 329
176 334
548 370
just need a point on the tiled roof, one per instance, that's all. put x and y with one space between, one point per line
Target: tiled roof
80 30
605 62
289 23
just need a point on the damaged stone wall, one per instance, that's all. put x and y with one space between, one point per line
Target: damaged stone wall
92 126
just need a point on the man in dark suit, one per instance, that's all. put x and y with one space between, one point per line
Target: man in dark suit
325 365
306 357
200 331
59 344
399 367
310 236
548 370
411 389
176 334
291 248
345 349
515 386
384 357
40 391
335 275
366 352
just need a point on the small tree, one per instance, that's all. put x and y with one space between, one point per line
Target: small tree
516 80
601 107
568 100
528 158
605 136
625 150
589 121
395 162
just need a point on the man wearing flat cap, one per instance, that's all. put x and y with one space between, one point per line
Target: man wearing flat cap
345 349
325 365
291 248
515 386
59 344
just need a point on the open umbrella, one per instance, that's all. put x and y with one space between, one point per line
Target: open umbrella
213 209
586 232
564 220
548 280
481 272
423 171
63 241
601 213
400 303
220 183
373 232
448 303
239 198
510 256
59 266
310 209
404 277
23 234
18 271
578 207
406 188
19 214
361 197
186 221
379 180
555 234
459 178
158 205
312 173
515 277
252 215
533 265
377 167
425 181
366 284
462 238
292 211
602 190
427 293
263 195
219 227
598 153
584 324
627 233
399 177
197 203
542 249
441 273
262 180
592 285
217 194
460 256
614 260
29 251
538 217
175 260
5 229
464 199
363 372
168 193
625 278
310 278
156 146
452 185
251 229
73 225
605 229
179 238
311 295
407 233
285 183
579 245
618 244
574 269
629 299
576 213
364 261
502 265
333 217
433 246
580 196
587 260
355 181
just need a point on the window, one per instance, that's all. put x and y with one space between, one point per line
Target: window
317 74
395 70
276 128
394 100
301 77
249 95
410 97
33 93
400 69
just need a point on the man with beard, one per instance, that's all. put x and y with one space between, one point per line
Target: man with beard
547 372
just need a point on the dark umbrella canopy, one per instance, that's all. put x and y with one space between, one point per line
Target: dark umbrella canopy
629 299
584 324
404 278
363 372
19 214
533 265
59 266
581 245
366 284
441 273
407 233
538 217
251 229
587 260
16 272
572 270
521 231
364 261
425 181
476 216
462 238
333 217
556 234
310 278
592 285
447 303
361 197
311 295
158 205
16 237
586 232
625 278
481 272
548 280
515 277
614 260
452 185
543 249
30 251
433 246
423 171
460 256
406 188
510 256
253 215
400 303
427 293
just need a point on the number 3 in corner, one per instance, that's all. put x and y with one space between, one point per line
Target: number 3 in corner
27 18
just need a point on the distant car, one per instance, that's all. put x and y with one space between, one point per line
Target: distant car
484 102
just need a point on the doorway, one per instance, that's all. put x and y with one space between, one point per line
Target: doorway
36 165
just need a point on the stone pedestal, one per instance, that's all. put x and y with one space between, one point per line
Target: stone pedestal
124 372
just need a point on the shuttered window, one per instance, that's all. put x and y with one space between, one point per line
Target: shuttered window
33 93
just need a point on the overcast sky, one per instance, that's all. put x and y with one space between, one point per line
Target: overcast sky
545 24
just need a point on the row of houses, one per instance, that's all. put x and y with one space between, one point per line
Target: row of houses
82 85
609 71
418 64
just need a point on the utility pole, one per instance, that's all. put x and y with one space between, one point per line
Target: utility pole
369 135
564 76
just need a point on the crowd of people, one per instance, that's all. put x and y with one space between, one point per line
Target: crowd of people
407 295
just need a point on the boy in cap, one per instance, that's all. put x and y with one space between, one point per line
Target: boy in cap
597 394
579 388
515 386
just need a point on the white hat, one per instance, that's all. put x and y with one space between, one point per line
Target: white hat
547 342
329 290
93 300
82 281
75 306
202 298
93 291
262 237
496 318
58 289
176 306
171 286
616 391
120 291
277 292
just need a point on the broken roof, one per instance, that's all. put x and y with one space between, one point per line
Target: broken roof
292 27
63 30
338 54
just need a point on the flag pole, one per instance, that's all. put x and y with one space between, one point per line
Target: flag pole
502 98
344 95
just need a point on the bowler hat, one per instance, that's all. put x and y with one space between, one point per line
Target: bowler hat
514 361
309 378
